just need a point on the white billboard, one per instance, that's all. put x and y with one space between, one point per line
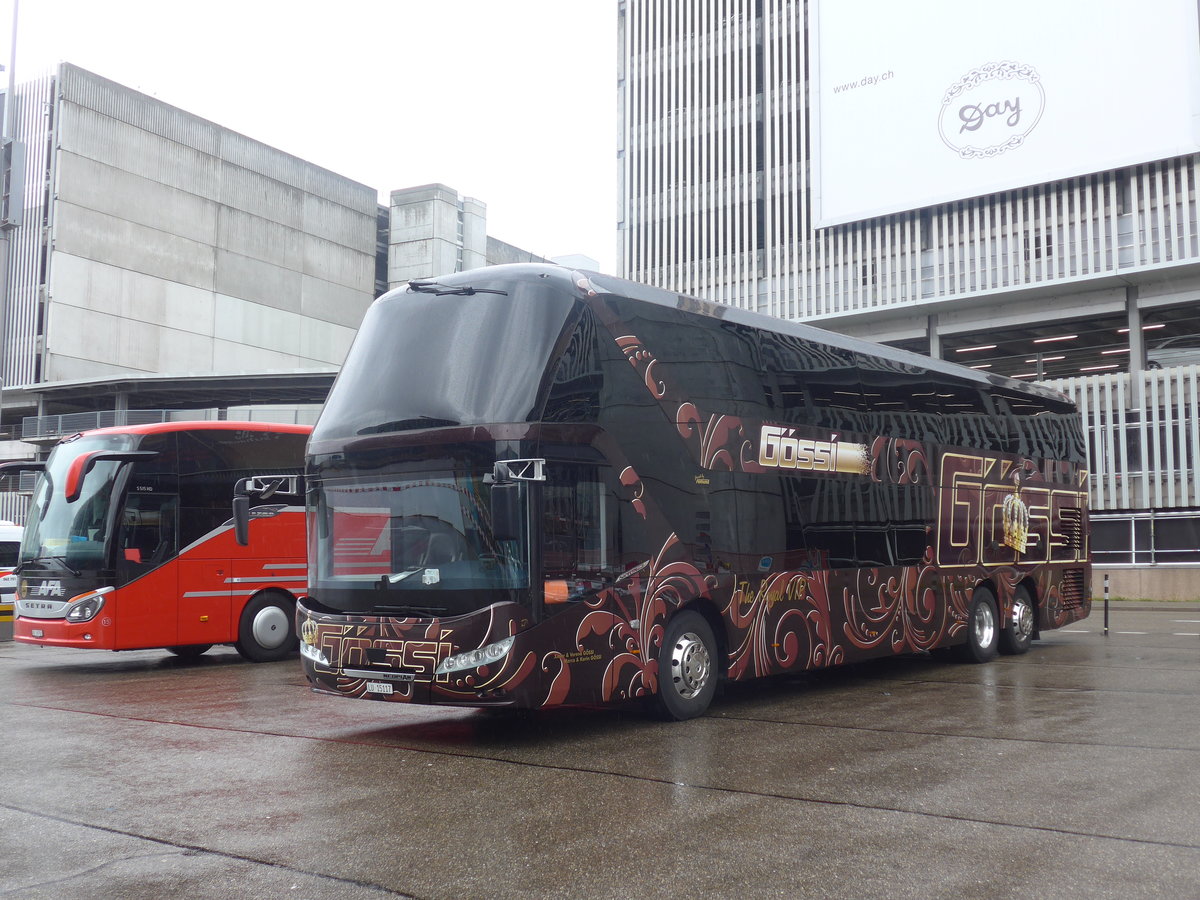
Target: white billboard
921 102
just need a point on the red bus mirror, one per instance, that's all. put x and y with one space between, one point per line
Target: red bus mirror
241 519
85 462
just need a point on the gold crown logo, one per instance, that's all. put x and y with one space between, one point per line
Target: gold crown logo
1016 520
308 632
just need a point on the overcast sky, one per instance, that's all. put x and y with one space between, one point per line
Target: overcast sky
512 102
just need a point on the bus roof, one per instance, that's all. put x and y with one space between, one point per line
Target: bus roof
202 425
636 291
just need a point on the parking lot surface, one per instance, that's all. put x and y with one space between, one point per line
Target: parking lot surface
1068 772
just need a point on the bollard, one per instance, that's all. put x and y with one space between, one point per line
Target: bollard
1106 603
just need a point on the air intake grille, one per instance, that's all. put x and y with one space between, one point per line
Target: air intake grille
1072 529
1073 589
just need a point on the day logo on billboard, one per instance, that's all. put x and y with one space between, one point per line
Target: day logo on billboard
991 109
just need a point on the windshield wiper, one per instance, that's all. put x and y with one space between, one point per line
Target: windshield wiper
408 425
61 560
440 290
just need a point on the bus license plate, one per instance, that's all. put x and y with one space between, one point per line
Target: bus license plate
378 687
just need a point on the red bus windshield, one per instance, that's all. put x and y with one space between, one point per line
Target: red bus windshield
74 533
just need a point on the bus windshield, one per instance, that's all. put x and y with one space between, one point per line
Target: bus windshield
74 533
411 540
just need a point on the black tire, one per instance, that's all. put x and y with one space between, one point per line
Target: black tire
983 628
687 667
1017 637
267 631
189 651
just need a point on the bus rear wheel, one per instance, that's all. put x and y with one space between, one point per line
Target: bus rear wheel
983 630
267 630
687 667
1017 636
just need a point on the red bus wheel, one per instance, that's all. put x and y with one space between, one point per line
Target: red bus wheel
267 630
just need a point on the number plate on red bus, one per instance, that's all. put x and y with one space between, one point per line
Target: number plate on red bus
378 687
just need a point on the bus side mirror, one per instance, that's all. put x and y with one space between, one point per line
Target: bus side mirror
506 511
264 487
241 519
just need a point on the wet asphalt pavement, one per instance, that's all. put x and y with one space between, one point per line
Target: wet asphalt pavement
1073 771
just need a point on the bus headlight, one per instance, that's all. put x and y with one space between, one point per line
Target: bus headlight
313 652
473 659
84 607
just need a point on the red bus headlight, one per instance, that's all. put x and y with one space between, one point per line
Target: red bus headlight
84 607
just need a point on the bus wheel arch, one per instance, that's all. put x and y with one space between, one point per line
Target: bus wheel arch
267 626
689 664
1017 636
983 626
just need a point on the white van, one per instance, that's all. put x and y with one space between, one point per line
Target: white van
10 544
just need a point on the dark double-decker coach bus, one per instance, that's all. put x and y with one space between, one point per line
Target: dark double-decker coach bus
532 486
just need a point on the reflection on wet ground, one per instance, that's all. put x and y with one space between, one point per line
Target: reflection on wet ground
1069 770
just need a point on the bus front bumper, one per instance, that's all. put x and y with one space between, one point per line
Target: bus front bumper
97 634
471 660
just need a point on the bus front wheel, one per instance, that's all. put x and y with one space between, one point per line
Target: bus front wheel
983 629
267 630
687 667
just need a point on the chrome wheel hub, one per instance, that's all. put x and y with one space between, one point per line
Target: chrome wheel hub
984 625
1022 617
691 666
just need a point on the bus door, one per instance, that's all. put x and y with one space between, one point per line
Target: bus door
147 577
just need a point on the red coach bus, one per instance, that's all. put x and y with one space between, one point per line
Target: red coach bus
128 543
532 487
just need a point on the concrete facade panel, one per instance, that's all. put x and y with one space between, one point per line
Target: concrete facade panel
323 341
229 356
87 89
101 187
334 303
120 343
138 346
261 196
85 132
259 238
339 264
262 282
70 368
108 289
411 222
184 352
349 226
83 334
108 239
241 322
420 259
187 309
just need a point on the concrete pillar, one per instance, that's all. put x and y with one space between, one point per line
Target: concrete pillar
1137 348
474 233
424 238
1137 342
935 339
